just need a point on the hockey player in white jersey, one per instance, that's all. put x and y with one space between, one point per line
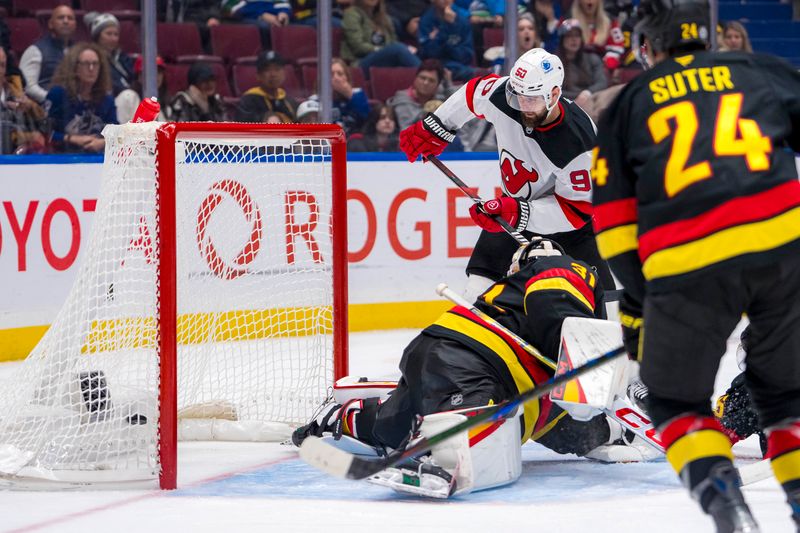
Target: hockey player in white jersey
545 145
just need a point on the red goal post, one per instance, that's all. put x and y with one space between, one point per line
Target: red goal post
167 136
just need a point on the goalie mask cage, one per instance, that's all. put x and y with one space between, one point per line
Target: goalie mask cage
211 302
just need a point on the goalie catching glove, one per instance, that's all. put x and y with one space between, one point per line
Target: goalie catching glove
425 137
513 211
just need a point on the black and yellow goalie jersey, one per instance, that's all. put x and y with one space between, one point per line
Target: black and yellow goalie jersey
531 303
695 169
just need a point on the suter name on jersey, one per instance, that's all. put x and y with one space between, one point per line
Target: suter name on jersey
678 84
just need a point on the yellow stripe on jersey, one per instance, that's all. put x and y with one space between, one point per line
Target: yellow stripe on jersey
722 245
493 293
558 284
617 241
496 344
550 425
698 445
787 467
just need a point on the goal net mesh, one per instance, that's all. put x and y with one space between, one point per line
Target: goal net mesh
254 314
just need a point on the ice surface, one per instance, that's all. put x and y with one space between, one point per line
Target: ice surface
242 487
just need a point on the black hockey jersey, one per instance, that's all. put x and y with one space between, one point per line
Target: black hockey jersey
547 166
531 303
695 169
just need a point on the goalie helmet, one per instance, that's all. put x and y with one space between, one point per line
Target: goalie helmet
673 26
538 247
533 76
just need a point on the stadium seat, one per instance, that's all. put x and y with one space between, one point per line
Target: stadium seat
385 81
493 37
178 39
294 41
232 41
30 7
24 31
177 78
110 5
130 36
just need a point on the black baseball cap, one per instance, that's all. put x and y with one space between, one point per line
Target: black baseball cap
270 57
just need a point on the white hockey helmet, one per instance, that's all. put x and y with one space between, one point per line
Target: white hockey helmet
538 247
533 76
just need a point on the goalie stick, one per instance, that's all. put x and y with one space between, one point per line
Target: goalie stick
339 463
622 411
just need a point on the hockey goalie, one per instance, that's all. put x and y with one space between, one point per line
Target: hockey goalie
462 363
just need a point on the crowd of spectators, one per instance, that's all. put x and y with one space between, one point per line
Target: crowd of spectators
63 89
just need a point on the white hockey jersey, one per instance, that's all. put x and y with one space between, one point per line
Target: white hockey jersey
548 167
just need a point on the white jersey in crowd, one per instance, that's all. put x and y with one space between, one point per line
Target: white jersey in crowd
547 166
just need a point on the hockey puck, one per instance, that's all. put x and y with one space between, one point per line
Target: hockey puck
137 419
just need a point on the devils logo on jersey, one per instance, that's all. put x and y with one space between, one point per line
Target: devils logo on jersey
516 173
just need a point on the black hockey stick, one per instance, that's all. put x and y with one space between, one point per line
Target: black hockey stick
342 464
519 237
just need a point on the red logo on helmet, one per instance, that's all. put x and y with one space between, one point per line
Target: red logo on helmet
516 173
520 72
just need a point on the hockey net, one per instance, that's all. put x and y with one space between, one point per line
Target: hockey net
210 302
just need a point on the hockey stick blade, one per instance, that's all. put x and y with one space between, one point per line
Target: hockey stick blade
339 463
519 237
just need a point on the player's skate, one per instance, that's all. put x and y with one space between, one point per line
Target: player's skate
726 506
420 477
623 447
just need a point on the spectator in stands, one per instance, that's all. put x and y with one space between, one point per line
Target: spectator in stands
601 35
21 119
491 12
104 28
269 95
407 104
548 16
204 13
735 38
406 13
583 71
200 102
445 34
128 100
350 104
380 133
272 118
80 100
527 39
370 40
40 60
308 112
266 14
305 12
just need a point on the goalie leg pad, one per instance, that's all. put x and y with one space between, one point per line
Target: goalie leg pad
485 457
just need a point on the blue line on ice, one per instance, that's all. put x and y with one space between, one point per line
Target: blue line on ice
545 475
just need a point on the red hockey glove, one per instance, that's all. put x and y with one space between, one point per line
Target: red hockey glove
425 137
510 209
630 316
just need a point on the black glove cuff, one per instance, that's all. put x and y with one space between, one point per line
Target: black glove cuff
432 123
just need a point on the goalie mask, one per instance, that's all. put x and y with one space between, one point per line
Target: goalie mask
672 26
527 253
532 79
